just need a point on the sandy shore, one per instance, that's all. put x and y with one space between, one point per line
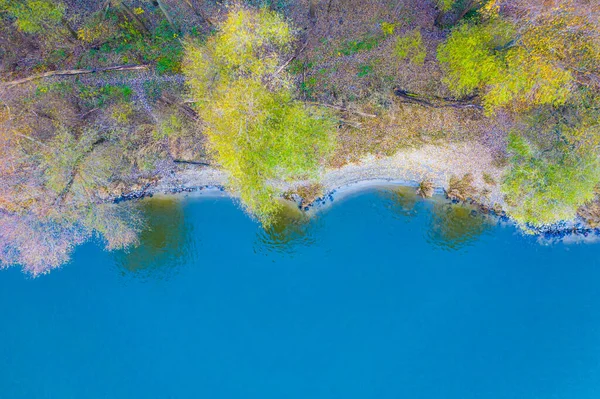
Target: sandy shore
408 167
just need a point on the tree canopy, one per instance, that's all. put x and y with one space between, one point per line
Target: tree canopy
543 188
522 64
35 16
541 65
255 127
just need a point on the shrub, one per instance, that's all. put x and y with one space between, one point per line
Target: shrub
36 16
425 189
461 188
309 193
352 47
97 28
411 47
445 5
488 179
388 28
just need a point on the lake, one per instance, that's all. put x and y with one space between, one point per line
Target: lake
381 295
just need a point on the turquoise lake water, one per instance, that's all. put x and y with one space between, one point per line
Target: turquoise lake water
380 296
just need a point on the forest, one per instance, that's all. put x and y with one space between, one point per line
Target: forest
101 100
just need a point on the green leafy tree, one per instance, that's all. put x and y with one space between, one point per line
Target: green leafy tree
256 129
544 187
410 46
522 64
468 55
37 16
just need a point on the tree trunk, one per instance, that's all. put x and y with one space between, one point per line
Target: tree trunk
70 29
312 10
165 12
198 11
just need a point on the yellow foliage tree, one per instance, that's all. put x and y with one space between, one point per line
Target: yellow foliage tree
256 130
525 63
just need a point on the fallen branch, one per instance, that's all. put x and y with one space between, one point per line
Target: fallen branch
191 162
72 72
186 110
343 109
434 102
292 58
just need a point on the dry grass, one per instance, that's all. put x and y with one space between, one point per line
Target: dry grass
425 189
461 189
407 126
590 212
308 193
349 59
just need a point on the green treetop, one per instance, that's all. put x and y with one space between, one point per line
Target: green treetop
256 129
547 186
521 64
35 16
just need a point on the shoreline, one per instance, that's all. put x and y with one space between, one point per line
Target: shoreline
572 231
408 167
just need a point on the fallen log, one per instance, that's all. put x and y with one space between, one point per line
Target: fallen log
72 72
186 110
434 102
191 162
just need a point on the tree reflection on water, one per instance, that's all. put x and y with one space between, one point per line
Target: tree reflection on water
456 226
165 242
452 226
402 201
291 228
